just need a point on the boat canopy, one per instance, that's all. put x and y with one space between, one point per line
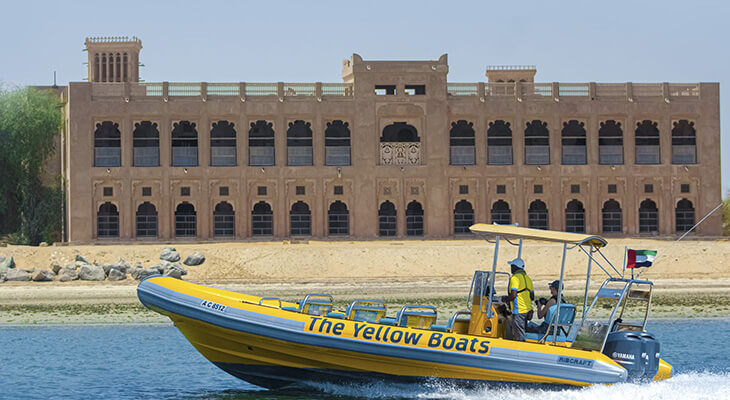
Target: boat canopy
512 231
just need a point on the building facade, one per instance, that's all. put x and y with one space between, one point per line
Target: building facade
395 150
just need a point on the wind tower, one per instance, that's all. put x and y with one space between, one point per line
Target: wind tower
113 59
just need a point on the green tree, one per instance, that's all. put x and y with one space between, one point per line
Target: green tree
726 216
29 121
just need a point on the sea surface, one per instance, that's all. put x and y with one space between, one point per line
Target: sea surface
156 362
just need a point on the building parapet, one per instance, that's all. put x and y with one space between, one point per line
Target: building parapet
518 90
204 89
511 67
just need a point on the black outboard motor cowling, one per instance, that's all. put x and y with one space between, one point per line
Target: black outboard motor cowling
638 352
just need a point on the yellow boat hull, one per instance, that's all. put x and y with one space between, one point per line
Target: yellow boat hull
271 347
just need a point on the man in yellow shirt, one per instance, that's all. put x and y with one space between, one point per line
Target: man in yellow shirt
521 295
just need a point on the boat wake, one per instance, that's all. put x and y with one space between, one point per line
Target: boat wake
691 385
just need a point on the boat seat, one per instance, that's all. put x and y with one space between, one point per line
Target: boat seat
549 338
459 316
564 325
313 304
412 316
366 310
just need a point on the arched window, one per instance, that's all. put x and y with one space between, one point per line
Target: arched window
107 221
338 219
575 217
262 219
337 143
400 132
222 144
146 144
299 143
684 142
184 144
537 215
186 221
648 216
462 149
610 143
685 216
125 66
107 145
261 144
499 143
537 143
414 219
118 68
104 67
97 67
463 217
387 222
146 220
300 219
647 142
612 221
224 220
574 143
501 214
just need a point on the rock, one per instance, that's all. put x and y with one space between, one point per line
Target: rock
106 268
42 276
122 265
194 259
6 263
147 272
68 274
115 274
3 244
165 266
55 267
17 275
174 273
169 254
136 270
80 258
90 272
42 244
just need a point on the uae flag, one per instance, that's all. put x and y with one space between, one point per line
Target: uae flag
640 258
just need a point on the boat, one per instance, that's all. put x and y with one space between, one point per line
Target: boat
273 343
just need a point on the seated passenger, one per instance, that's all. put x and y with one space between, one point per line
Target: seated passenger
543 305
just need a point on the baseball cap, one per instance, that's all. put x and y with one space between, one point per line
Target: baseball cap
517 262
555 284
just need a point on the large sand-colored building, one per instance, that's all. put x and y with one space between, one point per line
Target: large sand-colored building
395 150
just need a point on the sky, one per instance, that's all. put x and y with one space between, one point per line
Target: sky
305 41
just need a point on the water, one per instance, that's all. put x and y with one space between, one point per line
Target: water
129 362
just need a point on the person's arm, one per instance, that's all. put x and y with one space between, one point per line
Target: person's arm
542 310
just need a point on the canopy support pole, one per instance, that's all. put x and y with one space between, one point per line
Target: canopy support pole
519 250
560 295
491 277
588 279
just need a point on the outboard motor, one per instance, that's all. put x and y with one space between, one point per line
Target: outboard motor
638 352
650 355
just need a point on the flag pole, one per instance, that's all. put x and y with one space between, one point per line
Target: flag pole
623 271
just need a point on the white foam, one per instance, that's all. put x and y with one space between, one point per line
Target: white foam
692 385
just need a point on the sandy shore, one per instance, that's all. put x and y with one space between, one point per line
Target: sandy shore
322 260
692 277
